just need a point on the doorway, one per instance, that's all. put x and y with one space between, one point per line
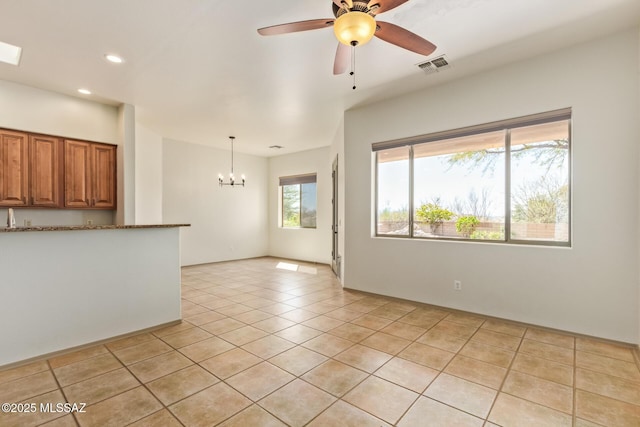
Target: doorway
335 258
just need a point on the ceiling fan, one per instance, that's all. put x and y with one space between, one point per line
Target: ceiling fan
354 25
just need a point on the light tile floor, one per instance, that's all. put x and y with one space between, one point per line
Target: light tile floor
262 346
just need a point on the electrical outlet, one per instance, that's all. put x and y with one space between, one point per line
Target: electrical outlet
27 223
457 285
89 222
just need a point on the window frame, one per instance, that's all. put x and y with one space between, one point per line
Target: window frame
299 180
502 125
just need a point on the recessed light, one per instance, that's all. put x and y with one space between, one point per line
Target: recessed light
114 58
85 91
10 53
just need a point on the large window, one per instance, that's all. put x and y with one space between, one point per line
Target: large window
298 195
507 181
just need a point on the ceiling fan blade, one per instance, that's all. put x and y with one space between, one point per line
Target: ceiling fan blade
349 3
404 38
293 27
341 62
385 5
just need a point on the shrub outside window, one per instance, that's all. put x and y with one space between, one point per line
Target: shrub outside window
298 196
506 181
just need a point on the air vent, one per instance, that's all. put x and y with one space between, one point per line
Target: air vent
434 65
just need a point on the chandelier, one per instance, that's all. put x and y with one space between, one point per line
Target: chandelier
232 179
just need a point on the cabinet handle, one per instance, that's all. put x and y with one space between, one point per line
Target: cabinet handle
32 200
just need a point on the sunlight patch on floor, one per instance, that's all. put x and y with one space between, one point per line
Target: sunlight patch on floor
295 267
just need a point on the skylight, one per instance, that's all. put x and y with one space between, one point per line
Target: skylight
10 53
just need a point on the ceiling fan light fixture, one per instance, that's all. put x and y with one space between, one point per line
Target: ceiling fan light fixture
354 28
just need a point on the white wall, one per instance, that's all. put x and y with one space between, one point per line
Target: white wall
226 223
34 110
591 288
148 176
305 244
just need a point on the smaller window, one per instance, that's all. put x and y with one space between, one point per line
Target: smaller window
298 196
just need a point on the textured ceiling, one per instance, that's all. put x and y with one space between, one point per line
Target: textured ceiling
197 70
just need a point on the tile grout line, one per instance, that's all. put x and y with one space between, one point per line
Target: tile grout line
442 371
267 360
369 375
125 366
506 375
73 415
338 398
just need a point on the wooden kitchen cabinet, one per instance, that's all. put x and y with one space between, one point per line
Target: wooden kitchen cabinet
77 176
30 170
104 175
14 172
90 175
44 167
45 171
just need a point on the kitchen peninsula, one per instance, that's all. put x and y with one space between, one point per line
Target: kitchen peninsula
68 286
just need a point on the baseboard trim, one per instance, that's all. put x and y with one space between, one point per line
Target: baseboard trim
635 348
87 345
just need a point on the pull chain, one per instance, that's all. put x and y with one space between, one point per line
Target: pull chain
353 64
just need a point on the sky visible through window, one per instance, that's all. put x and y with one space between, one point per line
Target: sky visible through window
436 178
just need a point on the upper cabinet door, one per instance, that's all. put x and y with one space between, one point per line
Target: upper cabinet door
14 168
45 170
77 174
104 176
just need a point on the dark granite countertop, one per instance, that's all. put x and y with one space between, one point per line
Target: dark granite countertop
87 227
